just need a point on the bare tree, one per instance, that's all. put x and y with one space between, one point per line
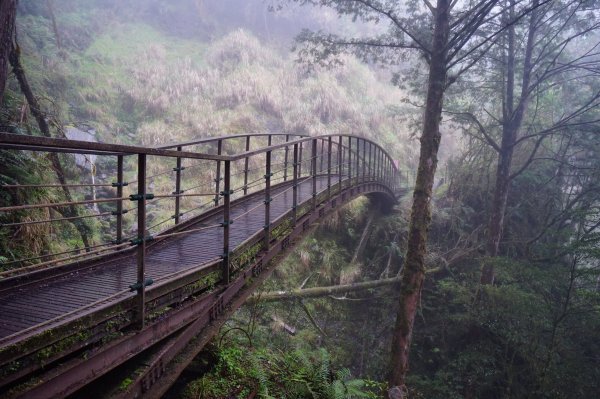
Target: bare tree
540 56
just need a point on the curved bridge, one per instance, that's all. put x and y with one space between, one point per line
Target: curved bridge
148 294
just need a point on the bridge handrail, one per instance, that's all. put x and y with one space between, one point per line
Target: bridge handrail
34 143
350 151
225 137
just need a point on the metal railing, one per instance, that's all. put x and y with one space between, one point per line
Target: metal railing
231 168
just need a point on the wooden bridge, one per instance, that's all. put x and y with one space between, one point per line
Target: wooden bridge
212 218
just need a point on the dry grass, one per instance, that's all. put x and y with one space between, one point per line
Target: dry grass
244 86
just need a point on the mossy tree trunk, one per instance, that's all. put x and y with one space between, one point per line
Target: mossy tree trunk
8 12
69 211
414 269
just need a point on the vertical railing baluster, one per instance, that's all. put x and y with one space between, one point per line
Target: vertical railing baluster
364 161
285 158
218 178
226 221
141 249
357 159
378 163
349 161
300 160
322 156
370 163
329 146
178 191
382 167
340 164
387 172
295 186
267 227
246 166
313 166
391 174
119 212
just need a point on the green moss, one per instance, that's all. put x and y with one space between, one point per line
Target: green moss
283 229
57 348
246 257
125 384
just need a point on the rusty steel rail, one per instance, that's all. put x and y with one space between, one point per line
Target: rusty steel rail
318 175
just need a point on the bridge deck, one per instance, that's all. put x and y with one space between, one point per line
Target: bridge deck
32 306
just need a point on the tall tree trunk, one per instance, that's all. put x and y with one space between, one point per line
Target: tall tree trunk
513 114
8 12
414 268
499 201
36 111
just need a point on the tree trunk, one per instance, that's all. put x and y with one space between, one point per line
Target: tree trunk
34 106
318 292
8 12
414 268
499 201
512 120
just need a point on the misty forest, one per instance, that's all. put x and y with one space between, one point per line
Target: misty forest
480 280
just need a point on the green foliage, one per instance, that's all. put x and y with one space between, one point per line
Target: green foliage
293 375
522 338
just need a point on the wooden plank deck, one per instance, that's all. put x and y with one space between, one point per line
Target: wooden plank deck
28 307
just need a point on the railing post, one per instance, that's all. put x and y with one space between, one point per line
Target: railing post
349 161
141 249
119 212
300 160
226 221
322 160
295 186
364 159
218 178
378 163
390 174
340 164
178 170
329 146
267 201
313 165
357 159
285 158
370 161
246 166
